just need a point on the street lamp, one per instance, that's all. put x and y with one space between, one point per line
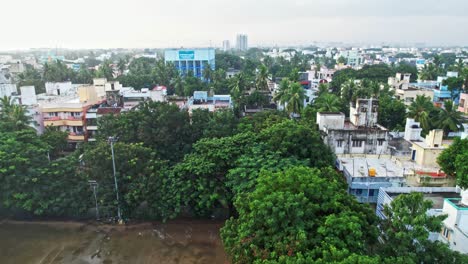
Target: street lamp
94 185
112 140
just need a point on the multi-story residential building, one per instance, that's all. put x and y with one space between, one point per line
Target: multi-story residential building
69 112
92 118
242 42
455 230
400 81
463 104
405 91
442 93
422 160
226 45
353 58
131 97
365 176
201 100
359 135
191 60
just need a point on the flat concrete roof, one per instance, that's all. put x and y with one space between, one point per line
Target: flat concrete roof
359 167
437 198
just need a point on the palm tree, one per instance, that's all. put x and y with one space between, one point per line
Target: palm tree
294 97
261 82
449 118
6 105
348 90
328 103
14 115
19 117
428 72
459 65
122 65
237 88
279 96
420 109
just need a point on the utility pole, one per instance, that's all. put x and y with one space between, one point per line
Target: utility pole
94 184
119 214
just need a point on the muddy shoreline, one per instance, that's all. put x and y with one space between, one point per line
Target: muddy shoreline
87 242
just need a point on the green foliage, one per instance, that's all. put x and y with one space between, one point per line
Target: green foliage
292 139
405 232
161 126
420 109
450 161
142 179
55 139
392 113
57 72
31 77
407 68
287 213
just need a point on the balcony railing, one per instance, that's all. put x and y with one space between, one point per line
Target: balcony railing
51 118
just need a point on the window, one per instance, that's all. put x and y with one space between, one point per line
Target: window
357 143
380 141
339 143
446 233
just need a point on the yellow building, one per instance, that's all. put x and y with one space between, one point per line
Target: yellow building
69 113
425 152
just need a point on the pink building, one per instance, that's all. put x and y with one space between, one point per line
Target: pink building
463 105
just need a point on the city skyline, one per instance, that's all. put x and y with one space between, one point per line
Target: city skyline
147 24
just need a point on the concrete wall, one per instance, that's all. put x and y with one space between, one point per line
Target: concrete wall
58 88
457 223
426 156
7 89
369 139
330 121
28 95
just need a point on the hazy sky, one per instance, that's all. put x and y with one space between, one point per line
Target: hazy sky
174 23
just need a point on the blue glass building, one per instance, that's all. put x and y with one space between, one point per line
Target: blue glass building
194 60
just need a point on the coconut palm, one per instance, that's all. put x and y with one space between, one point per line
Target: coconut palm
428 72
14 115
449 118
261 81
294 98
420 109
348 90
279 96
6 105
328 103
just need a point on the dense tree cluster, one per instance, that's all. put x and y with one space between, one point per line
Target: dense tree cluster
270 173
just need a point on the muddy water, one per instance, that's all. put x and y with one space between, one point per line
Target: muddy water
80 243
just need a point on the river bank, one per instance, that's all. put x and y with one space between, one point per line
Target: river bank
44 242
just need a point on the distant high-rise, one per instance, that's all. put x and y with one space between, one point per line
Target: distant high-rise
226 45
241 43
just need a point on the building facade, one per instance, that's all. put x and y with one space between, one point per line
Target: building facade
191 60
365 176
359 135
226 45
242 42
463 104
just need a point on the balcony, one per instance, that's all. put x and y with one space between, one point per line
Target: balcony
59 121
78 136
